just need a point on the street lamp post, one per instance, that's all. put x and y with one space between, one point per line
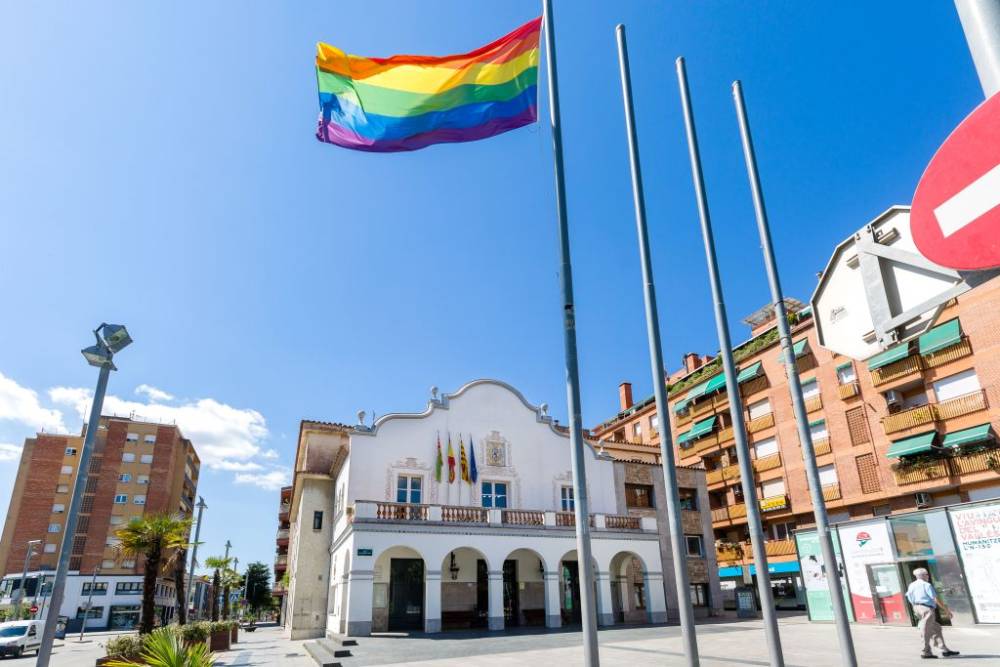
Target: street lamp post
221 587
90 599
194 549
24 576
110 339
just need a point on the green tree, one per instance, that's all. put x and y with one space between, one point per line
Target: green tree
158 539
258 587
231 580
218 564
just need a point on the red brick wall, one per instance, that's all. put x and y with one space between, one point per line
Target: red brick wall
32 520
110 446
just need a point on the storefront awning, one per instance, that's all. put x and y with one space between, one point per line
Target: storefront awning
892 354
749 373
718 382
731 571
772 568
968 436
916 444
940 337
704 427
798 349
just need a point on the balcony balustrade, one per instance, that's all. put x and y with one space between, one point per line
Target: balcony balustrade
961 405
281 559
896 370
751 387
831 491
282 534
743 551
455 514
523 517
815 403
949 354
977 462
922 473
822 446
849 390
931 412
917 416
760 423
768 462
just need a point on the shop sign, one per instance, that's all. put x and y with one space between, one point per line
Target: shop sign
774 503
814 575
977 533
863 544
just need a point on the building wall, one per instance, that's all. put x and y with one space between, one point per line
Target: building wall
309 558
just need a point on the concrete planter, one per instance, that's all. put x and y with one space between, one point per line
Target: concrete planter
234 634
219 641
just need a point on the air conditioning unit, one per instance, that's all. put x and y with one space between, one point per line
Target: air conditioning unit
893 401
923 499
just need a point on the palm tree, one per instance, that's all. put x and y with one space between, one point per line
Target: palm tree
217 563
158 539
182 599
230 579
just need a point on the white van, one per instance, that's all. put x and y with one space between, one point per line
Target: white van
20 637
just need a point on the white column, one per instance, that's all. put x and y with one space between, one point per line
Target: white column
553 604
496 600
359 603
656 605
432 601
605 608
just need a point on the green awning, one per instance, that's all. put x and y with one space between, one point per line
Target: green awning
749 373
967 436
896 353
684 437
681 406
818 422
718 382
704 427
807 381
940 337
916 444
844 365
696 391
798 349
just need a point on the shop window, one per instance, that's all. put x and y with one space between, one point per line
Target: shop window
93 612
128 588
495 494
639 495
695 546
566 499
408 489
857 425
689 499
100 588
868 473
699 595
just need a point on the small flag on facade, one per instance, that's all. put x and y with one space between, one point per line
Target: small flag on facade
451 461
464 464
439 463
403 103
473 473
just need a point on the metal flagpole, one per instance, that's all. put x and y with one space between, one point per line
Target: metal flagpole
981 24
732 388
588 611
795 386
677 545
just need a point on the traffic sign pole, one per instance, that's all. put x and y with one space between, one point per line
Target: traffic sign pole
981 24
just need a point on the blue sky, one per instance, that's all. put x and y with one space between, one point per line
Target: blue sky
158 168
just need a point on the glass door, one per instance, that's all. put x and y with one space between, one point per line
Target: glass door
887 594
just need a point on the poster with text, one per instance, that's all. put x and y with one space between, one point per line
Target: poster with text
863 544
814 575
977 533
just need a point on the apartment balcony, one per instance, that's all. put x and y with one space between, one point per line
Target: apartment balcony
897 370
831 491
720 437
768 462
815 403
283 511
742 552
723 474
757 384
374 511
281 561
760 423
932 412
977 462
729 513
949 354
278 590
282 536
921 473
849 390
822 446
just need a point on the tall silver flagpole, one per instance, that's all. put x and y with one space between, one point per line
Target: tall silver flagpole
588 610
732 387
795 386
677 545
981 24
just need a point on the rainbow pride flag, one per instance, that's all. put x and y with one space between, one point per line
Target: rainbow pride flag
403 103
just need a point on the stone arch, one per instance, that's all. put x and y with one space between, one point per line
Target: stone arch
525 601
464 587
398 590
629 585
570 583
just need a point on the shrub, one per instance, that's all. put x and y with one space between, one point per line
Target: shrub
164 648
218 626
127 647
194 632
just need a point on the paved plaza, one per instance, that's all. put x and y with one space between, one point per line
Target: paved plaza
722 643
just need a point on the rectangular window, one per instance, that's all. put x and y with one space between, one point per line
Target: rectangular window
142 479
699 595
132 437
846 374
868 473
58 508
818 431
121 499
408 489
654 424
765 447
495 494
782 531
128 588
93 612
55 527
107 564
810 389
857 425
566 498
773 488
62 488
689 499
125 477
759 408
128 563
66 470
146 458
317 520
50 548
128 457
71 451
828 475
139 499
638 495
150 439
637 430
956 385
694 545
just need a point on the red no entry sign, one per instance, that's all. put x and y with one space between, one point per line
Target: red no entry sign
34 609
955 219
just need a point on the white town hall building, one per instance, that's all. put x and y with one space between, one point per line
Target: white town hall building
377 543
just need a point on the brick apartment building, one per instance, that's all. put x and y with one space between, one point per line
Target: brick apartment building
136 467
281 552
911 427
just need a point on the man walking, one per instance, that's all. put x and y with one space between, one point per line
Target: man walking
925 601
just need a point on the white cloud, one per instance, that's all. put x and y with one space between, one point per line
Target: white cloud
272 481
270 455
225 437
154 394
9 452
20 404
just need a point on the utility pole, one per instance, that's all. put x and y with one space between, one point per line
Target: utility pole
24 576
981 24
194 549
90 598
221 587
